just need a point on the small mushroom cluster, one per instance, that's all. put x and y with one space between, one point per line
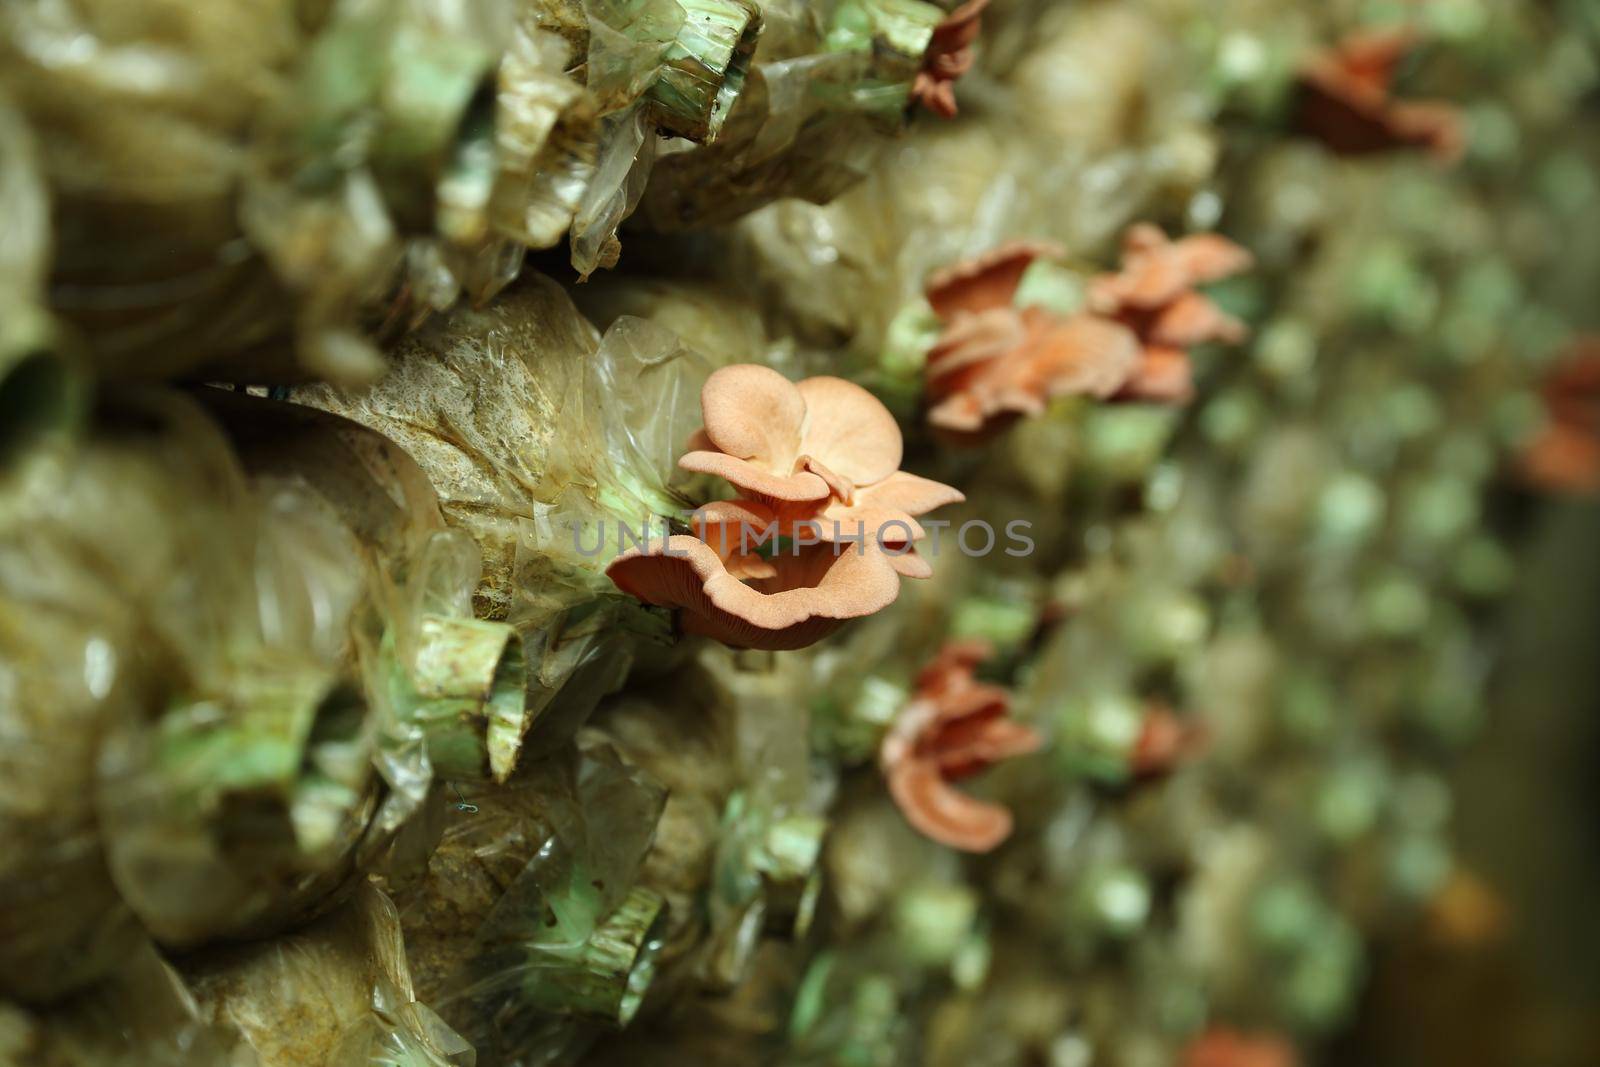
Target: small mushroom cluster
1564 457
1166 741
995 362
954 727
1156 296
950 55
1220 1047
1348 103
822 530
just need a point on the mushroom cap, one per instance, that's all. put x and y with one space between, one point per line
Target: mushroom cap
1571 389
1157 270
1194 319
779 441
1348 100
810 591
1563 459
948 57
884 513
987 281
943 813
1165 376
1084 355
954 728
1227 1048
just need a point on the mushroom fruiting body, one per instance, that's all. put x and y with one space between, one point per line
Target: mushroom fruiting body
804 598
1227 1048
824 527
954 727
1348 101
1165 742
949 56
1155 296
1565 456
779 442
995 362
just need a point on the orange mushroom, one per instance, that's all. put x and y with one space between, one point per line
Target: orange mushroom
803 597
1228 1048
949 56
1154 295
781 442
1565 456
817 465
954 727
1166 741
883 515
1348 102
995 362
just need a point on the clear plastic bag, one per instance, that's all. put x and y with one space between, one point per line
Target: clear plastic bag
275 153
230 794
530 926
335 993
141 1016
542 438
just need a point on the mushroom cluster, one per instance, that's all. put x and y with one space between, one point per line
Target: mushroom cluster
823 527
1219 1047
995 362
949 56
1347 101
1564 457
954 727
1156 296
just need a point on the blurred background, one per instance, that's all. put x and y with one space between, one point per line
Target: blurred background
322 743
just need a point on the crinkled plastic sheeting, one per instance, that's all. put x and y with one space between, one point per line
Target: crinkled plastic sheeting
1080 143
143 1016
541 437
41 388
529 927
231 784
831 84
224 134
335 993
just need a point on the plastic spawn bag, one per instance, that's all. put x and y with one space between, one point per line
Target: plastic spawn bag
725 327
543 439
530 925
141 1016
67 673
135 109
64 675
230 173
446 692
1073 160
735 853
335 993
827 89
233 795
679 66
40 386
687 749
547 142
